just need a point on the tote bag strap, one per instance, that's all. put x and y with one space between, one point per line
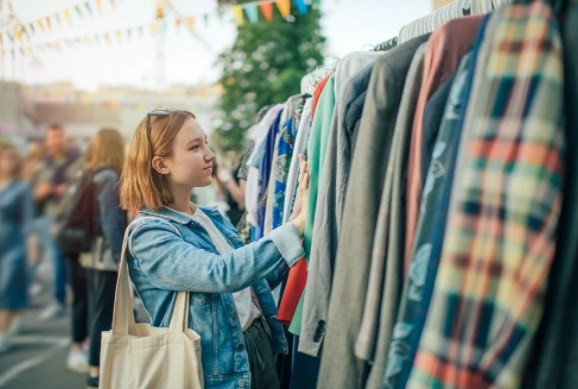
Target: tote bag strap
123 314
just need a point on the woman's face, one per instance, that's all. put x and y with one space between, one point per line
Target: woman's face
8 162
191 163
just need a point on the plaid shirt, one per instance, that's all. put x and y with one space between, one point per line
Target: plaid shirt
500 239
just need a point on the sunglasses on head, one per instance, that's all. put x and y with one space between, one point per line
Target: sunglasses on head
161 113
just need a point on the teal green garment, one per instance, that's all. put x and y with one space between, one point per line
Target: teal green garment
315 154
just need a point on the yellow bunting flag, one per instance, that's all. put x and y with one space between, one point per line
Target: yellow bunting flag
119 35
284 7
154 28
98 5
238 13
68 15
41 24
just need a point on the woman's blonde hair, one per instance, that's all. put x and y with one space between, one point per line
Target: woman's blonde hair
106 151
141 186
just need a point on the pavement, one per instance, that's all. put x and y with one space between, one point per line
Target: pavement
38 356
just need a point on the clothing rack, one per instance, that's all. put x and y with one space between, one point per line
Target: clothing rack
387 45
439 17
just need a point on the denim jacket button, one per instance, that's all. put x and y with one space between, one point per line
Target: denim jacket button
234 315
239 346
242 383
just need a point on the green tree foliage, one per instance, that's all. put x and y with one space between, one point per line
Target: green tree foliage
265 66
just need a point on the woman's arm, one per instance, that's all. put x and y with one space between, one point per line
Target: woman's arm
174 264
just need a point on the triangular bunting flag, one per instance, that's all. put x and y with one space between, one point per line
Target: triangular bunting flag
141 31
301 6
41 25
88 9
178 23
252 13
238 13
107 37
10 36
22 51
98 5
58 20
154 28
118 35
112 3
206 19
79 11
128 33
31 28
48 23
68 15
284 7
267 10
191 22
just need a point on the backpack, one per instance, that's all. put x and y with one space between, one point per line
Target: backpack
78 228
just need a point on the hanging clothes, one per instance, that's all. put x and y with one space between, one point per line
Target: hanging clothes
299 149
252 191
375 331
283 151
315 157
499 245
324 246
298 275
445 50
556 346
339 367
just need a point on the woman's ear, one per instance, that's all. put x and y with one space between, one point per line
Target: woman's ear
160 165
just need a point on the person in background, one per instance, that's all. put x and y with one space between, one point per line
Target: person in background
60 170
17 243
233 191
30 170
104 164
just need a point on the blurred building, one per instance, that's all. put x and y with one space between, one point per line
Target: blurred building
26 110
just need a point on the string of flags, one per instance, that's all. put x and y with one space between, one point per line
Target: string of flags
20 35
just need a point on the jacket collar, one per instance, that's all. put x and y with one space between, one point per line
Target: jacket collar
179 217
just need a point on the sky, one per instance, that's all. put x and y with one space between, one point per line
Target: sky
348 25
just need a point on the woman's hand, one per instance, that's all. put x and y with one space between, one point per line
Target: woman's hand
299 215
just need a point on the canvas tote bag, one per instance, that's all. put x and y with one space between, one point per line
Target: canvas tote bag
141 356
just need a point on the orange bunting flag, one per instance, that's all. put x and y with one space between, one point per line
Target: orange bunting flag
267 11
191 22
178 23
98 5
284 7
48 23
238 13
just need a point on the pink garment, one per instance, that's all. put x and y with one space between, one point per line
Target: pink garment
445 49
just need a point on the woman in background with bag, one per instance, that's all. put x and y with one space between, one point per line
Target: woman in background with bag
104 165
178 251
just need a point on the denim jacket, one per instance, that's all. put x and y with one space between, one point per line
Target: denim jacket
169 252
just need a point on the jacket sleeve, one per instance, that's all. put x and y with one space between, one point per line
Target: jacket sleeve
112 218
175 264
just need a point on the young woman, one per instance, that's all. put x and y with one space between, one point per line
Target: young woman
175 246
16 217
104 163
